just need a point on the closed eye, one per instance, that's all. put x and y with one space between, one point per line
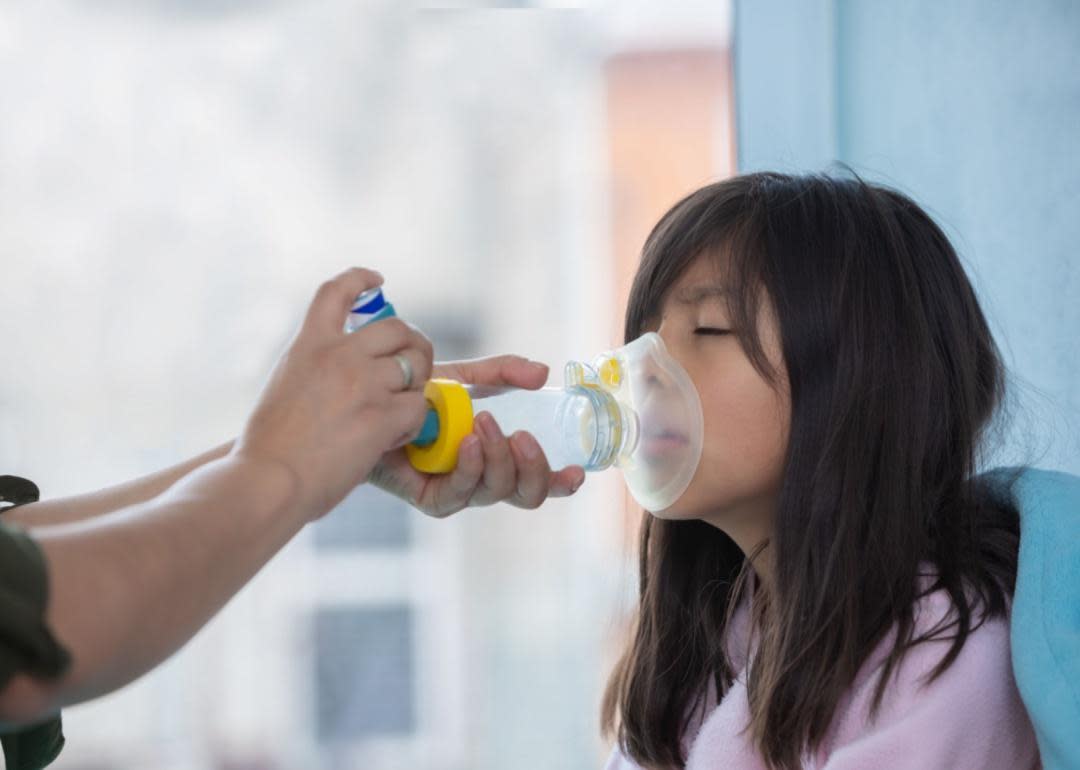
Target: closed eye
709 330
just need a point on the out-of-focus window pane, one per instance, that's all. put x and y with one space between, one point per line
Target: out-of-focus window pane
367 518
363 672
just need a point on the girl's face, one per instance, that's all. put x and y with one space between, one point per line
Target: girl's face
746 421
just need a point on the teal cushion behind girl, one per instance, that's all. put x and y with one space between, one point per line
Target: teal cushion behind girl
1045 625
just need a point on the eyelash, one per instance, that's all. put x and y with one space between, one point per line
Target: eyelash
709 331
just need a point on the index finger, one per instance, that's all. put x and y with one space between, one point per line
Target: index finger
515 371
334 298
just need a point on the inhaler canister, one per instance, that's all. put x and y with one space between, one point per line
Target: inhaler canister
450 415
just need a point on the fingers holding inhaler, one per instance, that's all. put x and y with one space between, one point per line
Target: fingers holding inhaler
334 403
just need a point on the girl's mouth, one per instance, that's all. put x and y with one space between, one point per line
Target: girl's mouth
664 442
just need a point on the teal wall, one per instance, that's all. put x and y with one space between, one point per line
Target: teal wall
973 109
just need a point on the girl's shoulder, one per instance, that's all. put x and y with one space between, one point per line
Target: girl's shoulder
935 624
969 718
936 617
972 706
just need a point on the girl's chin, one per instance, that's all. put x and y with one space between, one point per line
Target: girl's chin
691 504
675 512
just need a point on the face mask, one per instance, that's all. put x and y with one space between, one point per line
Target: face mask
657 436
633 408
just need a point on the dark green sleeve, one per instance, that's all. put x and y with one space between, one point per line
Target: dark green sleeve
27 645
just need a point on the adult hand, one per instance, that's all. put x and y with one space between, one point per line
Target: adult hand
336 402
491 467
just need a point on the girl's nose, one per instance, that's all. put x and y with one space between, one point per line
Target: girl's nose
653 375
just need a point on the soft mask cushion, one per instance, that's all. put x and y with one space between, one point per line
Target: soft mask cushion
653 387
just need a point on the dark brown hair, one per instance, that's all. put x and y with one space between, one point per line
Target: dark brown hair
894 379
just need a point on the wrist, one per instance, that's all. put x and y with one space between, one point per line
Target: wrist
276 484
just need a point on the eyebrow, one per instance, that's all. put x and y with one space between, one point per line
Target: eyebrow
695 295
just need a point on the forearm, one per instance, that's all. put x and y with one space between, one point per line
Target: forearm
64 510
128 589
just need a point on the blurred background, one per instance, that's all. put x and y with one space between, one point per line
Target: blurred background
178 176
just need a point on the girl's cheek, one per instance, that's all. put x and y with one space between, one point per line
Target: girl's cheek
717 422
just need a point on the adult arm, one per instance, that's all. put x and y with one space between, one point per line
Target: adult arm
129 588
126 589
64 510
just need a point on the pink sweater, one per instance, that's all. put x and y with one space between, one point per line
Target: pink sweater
970 718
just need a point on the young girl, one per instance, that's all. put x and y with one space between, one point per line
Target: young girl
833 589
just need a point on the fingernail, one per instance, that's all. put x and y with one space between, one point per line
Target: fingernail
529 447
577 485
538 365
485 423
470 447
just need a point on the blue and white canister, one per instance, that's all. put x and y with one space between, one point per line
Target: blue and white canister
367 307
